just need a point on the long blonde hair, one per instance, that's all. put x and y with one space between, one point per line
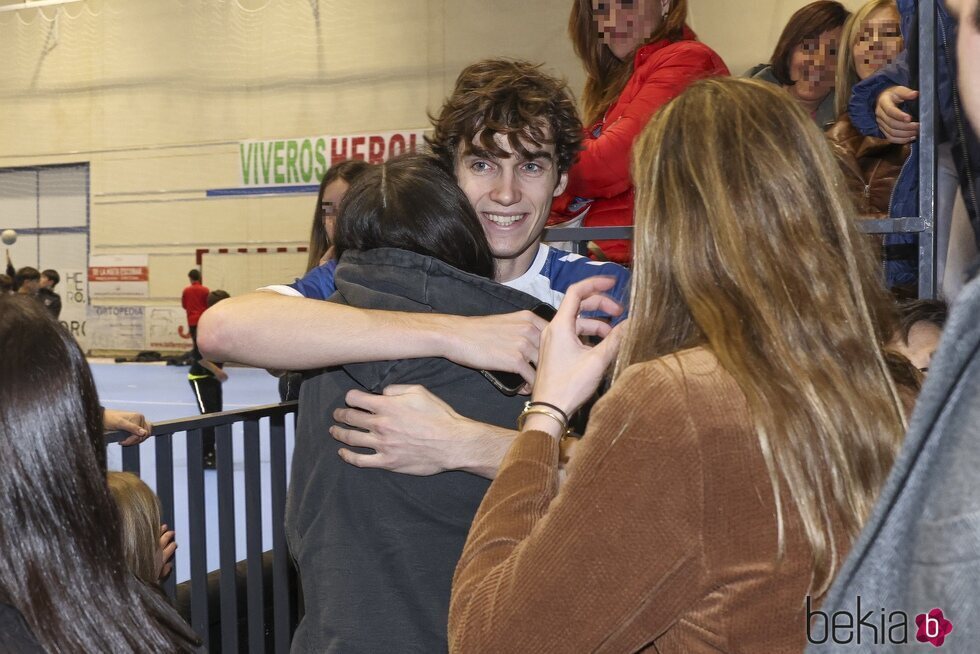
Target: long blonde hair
606 76
846 74
139 518
746 243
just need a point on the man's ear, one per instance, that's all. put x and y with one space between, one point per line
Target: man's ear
562 183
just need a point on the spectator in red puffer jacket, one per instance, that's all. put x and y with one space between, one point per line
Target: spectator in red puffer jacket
637 56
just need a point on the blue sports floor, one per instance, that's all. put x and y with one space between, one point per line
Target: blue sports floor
160 393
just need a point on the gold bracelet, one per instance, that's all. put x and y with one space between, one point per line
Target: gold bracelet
543 411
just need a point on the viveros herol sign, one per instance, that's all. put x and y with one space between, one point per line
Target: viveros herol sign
302 161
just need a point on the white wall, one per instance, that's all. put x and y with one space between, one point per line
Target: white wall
156 95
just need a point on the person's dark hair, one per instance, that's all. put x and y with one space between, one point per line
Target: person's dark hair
6 283
512 98
976 17
194 274
52 275
348 170
61 558
411 203
216 296
26 274
808 22
931 311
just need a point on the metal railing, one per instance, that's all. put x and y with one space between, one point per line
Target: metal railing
925 223
283 592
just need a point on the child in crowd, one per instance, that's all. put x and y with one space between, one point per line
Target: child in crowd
920 326
148 546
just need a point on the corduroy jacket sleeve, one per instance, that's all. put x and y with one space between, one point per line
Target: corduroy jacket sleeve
545 570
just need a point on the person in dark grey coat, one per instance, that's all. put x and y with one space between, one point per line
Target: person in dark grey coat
919 553
376 549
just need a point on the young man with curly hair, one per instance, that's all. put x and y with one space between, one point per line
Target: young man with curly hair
509 133
376 550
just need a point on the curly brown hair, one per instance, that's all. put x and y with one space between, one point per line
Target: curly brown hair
509 97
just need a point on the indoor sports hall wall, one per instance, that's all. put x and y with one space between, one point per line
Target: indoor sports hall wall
178 106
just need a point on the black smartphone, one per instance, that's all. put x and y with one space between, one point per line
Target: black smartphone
509 383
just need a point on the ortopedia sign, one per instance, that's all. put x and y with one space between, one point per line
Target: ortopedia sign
284 162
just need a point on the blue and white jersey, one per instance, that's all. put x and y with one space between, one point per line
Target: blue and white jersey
317 284
554 270
549 276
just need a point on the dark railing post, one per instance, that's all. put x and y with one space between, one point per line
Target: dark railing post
280 555
253 539
131 459
226 541
165 491
197 524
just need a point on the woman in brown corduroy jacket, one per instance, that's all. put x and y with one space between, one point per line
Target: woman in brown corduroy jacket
750 423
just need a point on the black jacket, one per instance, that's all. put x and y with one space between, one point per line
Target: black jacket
376 550
51 301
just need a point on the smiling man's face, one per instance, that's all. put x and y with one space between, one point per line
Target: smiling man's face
512 196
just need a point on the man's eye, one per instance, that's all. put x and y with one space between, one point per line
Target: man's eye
532 167
480 166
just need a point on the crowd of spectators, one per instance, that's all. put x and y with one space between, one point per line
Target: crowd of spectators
762 374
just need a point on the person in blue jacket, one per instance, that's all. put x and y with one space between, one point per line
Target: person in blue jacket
884 106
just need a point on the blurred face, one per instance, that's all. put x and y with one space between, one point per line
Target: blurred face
512 197
45 282
29 286
812 67
878 42
968 55
625 24
332 195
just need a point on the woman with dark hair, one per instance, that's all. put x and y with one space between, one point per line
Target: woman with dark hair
334 184
64 583
752 417
637 55
805 59
376 549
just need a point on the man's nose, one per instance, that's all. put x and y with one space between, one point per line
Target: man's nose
506 190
